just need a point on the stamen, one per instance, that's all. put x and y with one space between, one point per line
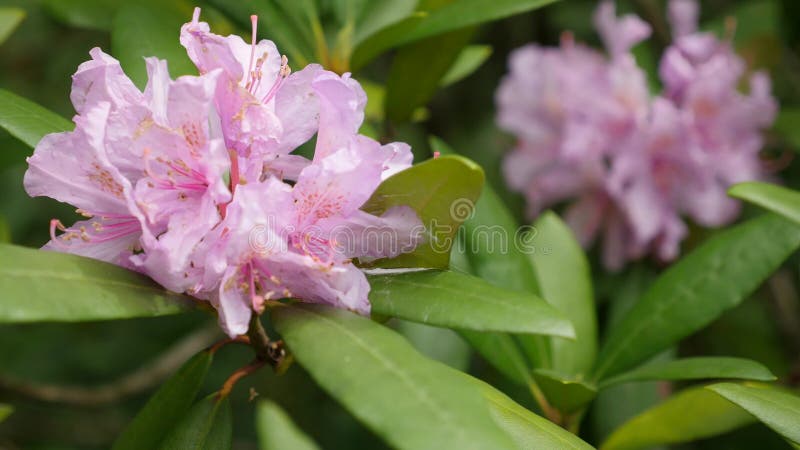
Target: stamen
254 24
284 72
196 15
55 223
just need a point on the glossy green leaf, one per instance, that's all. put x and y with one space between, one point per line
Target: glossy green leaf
5 411
454 300
567 394
407 399
788 125
10 18
469 60
442 192
27 121
777 199
453 16
776 408
49 286
91 14
494 250
713 278
208 425
440 344
417 70
165 408
377 16
501 351
372 46
692 414
138 33
695 369
528 430
276 431
554 253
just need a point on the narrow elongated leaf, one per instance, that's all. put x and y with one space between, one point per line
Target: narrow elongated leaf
454 16
454 300
715 277
501 351
383 40
377 16
417 70
5 411
495 254
48 286
438 190
693 414
564 277
166 407
469 59
777 199
138 33
92 14
27 121
276 431
566 394
528 430
776 408
207 426
407 399
10 18
695 369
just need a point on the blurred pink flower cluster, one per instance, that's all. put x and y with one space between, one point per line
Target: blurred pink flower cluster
631 165
193 181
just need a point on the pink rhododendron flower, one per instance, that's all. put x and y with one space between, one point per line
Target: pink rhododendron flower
194 183
631 165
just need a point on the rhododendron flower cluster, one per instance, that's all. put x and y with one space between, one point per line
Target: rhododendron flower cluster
193 181
630 165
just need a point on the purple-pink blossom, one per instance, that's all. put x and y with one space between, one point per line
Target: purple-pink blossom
632 166
193 181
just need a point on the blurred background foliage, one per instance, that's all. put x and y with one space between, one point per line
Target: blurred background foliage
431 86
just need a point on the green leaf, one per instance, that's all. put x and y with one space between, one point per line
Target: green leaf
276 431
27 121
417 70
495 254
207 426
693 414
437 190
49 286
469 59
777 199
440 344
453 300
788 124
171 402
138 33
528 430
5 411
776 408
568 395
502 352
407 399
695 369
713 278
10 18
373 45
564 277
453 16
376 16
91 14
